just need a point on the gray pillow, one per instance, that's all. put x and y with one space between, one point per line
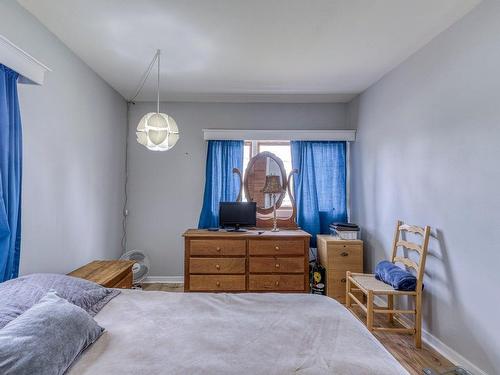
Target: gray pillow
46 338
16 298
18 295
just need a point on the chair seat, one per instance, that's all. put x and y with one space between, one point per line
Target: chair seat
368 282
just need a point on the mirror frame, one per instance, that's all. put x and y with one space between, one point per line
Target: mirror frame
266 220
284 182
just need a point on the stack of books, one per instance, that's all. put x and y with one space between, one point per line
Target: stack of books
346 231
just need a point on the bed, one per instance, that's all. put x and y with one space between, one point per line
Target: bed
194 333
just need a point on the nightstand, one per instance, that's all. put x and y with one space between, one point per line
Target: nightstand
108 273
339 256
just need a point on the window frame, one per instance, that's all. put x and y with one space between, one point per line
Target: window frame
255 149
249 143
272 143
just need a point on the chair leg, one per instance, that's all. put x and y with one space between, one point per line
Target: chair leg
418 320
390 306
369 311
348 290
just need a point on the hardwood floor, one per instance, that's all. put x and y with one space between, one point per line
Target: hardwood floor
163 287
400 346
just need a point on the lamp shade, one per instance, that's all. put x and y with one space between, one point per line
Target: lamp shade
272 185
157 131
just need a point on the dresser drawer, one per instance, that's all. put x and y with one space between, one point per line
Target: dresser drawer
213 283
217 247
336 286
292 283
276 247
217 265
276 265
336 283
345 258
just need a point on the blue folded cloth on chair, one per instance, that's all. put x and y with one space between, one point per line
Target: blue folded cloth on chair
395 276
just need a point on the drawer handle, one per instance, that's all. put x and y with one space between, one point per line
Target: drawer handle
343 280
218 249
277 265
344 254
217 266
217 283
276 248
277 283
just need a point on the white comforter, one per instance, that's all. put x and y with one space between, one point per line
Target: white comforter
190 333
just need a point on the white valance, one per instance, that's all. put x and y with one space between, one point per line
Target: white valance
30 69
279 135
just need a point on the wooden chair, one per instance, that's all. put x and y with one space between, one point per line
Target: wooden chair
371 287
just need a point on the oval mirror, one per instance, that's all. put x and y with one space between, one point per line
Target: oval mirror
259 171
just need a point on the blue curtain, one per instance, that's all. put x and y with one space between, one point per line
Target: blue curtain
10 175
221 184
320 186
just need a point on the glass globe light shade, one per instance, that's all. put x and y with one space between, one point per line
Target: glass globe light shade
157 131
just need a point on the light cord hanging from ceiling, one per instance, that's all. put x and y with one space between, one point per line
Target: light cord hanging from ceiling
156 131
144 77
158 83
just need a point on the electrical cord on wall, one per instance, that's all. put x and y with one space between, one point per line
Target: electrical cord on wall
131 102
125 202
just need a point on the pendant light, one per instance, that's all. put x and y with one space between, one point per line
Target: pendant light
157 131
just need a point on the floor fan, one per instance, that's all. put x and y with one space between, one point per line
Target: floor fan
141 266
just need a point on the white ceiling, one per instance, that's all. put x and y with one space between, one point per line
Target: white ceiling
241 50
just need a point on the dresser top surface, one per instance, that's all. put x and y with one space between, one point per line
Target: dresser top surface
193 233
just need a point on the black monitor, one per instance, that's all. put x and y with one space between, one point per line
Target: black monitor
237 214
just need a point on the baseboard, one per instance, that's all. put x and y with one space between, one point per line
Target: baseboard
451 354
438 345
164 279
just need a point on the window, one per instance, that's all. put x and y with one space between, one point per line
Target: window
280 148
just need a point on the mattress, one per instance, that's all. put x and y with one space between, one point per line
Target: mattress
196 333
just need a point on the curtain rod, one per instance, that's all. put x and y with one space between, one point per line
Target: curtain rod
279 135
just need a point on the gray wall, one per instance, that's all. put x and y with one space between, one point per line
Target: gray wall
427 152
74 137
166 188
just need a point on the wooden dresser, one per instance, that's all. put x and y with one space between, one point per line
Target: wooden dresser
339 256
248 261
108 273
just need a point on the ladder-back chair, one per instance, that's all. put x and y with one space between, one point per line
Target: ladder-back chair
371 287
